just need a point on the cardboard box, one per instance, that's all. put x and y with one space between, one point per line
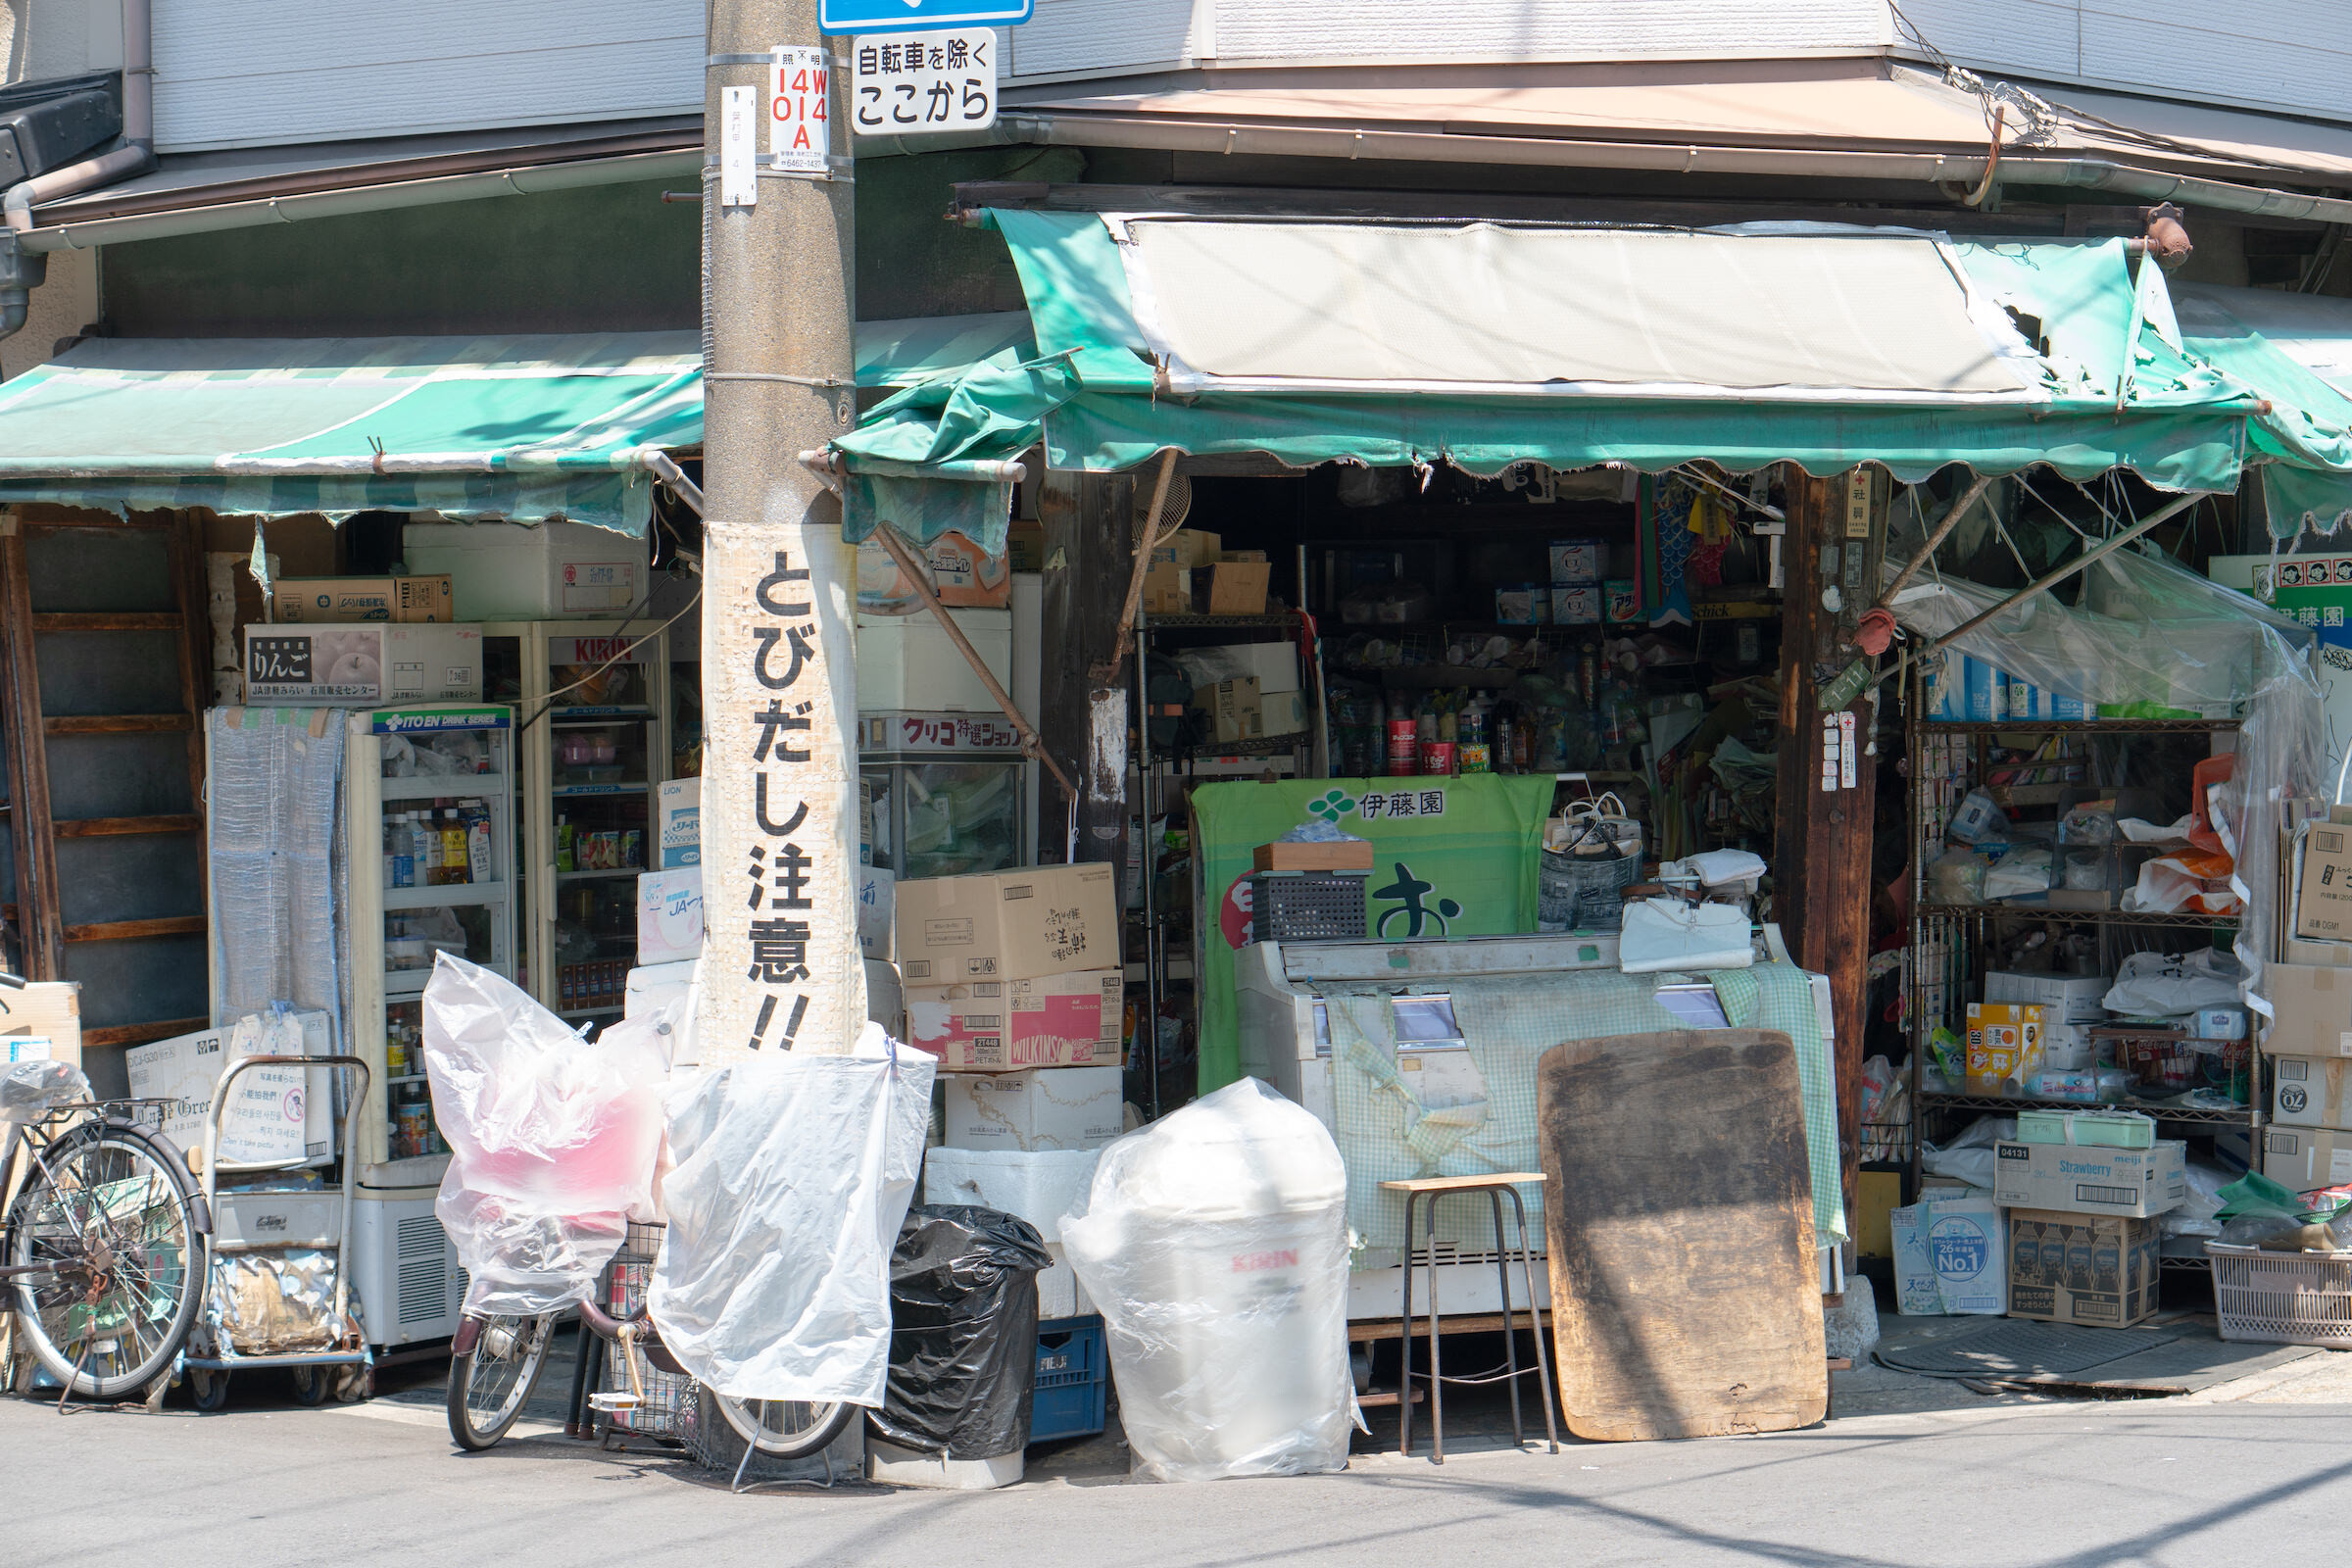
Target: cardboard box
1009 926
1345 854
1877 1193
1576 605
1527 604
907 663
1032 1111
2309 1091
2076 1179
347 667
2314 1007
2099 1270
877 901
268 1119
677 824
1167 590
1275 664
960 574
990 1027
1189 547
1239 587
343 600
2324 906
554 571
669 915
2004 1044
50 1010
1576 562
1948 1258
2307 1157
1236 712
1286 714
2063 998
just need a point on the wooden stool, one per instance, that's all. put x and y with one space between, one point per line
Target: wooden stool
1496 1188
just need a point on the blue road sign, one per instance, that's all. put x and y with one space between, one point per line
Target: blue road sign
919 15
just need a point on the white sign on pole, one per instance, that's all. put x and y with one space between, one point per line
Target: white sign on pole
908 84
799 134
738 147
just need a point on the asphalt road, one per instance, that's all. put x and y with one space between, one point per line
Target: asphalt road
2036 1486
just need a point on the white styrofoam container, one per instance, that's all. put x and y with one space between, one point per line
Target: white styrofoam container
1039 1188
1037 1110
554 571
907 663
905 1467
1058 1293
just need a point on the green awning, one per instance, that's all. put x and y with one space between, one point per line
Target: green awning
520 428
516 428
1484 345
2296 351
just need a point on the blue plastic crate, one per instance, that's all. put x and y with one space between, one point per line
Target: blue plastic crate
1073 1379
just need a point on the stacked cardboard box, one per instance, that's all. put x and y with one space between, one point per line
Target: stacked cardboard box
2309 1143
1013 969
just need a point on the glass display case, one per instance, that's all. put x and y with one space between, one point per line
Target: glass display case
942 793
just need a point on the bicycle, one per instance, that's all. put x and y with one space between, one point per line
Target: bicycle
104 1250
496 1361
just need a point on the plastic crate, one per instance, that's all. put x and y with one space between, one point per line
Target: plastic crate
1306 906
1073 1380
2282 1297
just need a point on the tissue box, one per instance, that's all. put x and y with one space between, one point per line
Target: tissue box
2065 997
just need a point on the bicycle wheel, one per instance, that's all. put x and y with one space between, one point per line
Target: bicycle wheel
107 1223
489 1385
784 1429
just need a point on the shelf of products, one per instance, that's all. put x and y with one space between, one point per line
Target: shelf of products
2041 776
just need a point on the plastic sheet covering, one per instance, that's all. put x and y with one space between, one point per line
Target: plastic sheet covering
552 1139
2154 639
1214 1243
962 1333
28 1088
277 874
794 1173
273 1303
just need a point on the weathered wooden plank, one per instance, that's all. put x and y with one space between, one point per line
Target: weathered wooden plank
95 827
174 925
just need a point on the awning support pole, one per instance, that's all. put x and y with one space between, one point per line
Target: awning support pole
1106 674
912 569
2050 579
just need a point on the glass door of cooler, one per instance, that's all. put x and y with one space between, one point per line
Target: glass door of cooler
429 810
595 740
940 795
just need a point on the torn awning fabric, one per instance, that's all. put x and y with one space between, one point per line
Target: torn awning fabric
1484 345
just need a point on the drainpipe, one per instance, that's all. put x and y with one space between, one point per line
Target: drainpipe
22 270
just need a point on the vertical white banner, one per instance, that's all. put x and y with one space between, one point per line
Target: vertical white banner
738 147
782 965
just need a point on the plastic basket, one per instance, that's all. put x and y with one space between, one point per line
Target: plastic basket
1583 892
1306 906
1072 1382
2282 1297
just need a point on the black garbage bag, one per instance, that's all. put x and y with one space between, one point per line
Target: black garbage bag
962 1331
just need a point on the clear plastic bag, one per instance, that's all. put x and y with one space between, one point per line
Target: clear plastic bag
28 1088
792 1176
2157 984
552 1139
1214 1243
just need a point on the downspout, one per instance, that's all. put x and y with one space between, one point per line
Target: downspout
20 270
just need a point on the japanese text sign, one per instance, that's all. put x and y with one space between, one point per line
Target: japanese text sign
909 83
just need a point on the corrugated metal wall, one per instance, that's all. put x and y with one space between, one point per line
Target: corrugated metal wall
257 72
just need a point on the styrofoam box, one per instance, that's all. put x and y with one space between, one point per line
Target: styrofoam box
1039 1188
554 571
1035 1110
1058 1293
907 663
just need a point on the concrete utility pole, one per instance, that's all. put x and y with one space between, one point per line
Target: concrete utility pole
782 968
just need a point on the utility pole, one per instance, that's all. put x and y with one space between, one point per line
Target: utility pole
782 968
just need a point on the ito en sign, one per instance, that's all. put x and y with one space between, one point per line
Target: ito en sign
909 83
798 131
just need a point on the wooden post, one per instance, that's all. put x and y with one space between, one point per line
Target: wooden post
40 926
1090 523
1828 774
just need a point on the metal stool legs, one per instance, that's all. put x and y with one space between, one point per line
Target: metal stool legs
1511 1326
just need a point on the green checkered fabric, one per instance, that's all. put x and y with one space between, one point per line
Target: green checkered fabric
1387 1133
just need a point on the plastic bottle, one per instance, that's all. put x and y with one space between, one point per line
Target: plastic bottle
477 819
391 859
430 871
453 847
1404 738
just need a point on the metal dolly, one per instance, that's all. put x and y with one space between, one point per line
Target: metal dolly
1495 1187
229 1236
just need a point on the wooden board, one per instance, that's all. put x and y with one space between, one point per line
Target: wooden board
1685 1294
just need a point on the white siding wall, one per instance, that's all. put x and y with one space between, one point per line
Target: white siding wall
244 73
2287 56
